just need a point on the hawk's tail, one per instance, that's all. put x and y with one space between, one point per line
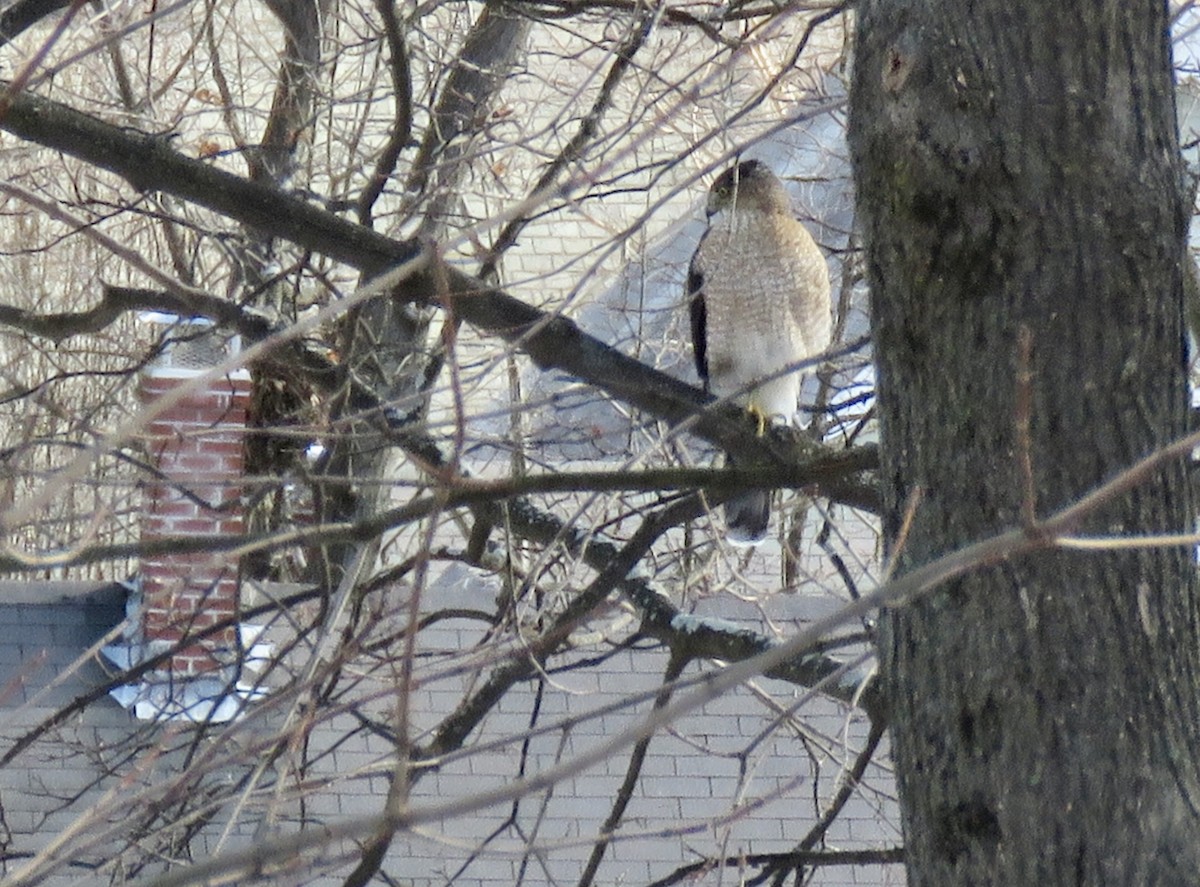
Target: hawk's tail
747 516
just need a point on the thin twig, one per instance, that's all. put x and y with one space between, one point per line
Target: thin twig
633 771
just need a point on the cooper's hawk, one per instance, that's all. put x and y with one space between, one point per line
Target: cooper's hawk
759 293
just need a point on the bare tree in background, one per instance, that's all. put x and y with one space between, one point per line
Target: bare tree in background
480 535
400 210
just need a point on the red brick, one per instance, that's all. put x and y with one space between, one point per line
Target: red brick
168 506
198 443
209 618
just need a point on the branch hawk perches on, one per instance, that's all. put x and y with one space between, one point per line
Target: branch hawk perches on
759 293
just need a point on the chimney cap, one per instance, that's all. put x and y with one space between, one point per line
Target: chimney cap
191 345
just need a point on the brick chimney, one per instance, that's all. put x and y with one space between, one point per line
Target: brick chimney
197 447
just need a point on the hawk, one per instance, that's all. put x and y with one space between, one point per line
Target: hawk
760 301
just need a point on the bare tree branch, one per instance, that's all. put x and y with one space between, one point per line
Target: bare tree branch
118 300
633 771
792 860
24 14
916 584
624 54
553 342
488 53
401 131
849 784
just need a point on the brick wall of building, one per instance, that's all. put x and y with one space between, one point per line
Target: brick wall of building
196 445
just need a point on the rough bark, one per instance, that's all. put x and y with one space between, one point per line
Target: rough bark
1018 168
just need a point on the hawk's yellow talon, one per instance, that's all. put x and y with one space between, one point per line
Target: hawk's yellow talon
760 417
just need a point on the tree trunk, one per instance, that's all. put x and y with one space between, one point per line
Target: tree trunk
1018 167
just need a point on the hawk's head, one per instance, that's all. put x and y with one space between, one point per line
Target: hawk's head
749 185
